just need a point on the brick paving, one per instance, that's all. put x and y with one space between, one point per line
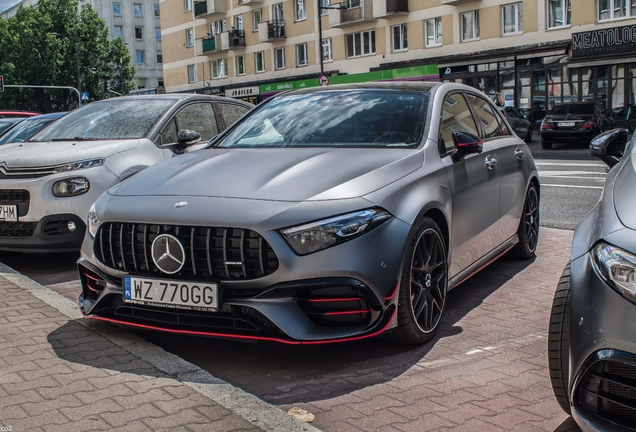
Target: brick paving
486 369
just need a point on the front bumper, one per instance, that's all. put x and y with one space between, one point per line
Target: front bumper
342 293
602 352
572 135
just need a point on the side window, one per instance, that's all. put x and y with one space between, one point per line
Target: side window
231 112
198 117
456 117
492 124
169 134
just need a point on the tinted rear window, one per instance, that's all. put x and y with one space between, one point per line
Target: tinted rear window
573 109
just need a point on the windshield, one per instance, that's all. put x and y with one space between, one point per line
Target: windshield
112 119
25 129
338 118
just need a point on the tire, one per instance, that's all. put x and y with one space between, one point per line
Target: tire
528 231
528 138
559 341
423 284
546 145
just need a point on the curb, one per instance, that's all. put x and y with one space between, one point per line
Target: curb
258 412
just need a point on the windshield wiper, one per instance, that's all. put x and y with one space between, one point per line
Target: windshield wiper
72 139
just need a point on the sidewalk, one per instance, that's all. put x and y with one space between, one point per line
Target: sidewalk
61 373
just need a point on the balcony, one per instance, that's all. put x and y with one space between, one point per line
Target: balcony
232 39
383 8
205 45
248 2
210 7
271 30
351 12
456 2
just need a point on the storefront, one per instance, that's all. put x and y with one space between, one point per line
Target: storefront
597 65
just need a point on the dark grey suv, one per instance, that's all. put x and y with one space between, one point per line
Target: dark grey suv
574 122
592 343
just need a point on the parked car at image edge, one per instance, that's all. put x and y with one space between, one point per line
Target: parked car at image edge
521 126
28 127
576 122
14 113
324 215
48 183
591 345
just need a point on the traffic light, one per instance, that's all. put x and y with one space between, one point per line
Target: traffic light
1 83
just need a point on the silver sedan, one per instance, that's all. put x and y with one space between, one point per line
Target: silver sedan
324 215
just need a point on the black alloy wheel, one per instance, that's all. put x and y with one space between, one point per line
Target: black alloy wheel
559 341
528 138
423 285
528 231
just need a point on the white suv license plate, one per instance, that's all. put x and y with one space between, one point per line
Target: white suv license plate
9 213
566 124
182 295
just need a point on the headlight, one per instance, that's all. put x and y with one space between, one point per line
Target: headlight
71 187
315 236
617 268
79 165
93 221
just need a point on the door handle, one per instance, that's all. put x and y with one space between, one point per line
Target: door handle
491 162
519 153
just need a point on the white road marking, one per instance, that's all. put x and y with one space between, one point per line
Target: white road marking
581 164
572 186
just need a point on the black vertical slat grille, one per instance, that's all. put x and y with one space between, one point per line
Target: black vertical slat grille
211 253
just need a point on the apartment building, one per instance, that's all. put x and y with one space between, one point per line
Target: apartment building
535 52
137 22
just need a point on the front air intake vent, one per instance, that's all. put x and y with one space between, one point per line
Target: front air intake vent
210 252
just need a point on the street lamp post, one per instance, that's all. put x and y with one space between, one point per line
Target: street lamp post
320 48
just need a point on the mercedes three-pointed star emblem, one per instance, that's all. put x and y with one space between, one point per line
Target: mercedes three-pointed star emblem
168 253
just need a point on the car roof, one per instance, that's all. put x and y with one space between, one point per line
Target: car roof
13 113
50 115
176 97
422 86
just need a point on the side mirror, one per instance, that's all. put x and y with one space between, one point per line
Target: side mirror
187 138
609 146
466 144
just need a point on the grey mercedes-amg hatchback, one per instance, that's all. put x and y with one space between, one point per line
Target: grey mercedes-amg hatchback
325 214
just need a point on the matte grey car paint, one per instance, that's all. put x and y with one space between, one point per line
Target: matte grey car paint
268 189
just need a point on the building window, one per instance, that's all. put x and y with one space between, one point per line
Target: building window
117 9
299 9
360 44
512 19
240 65
139 33
433 28
137 10
141 83
257 16
326 50
188 8
324 4
559 13
218 27
238 22
189 35
157 11
219 68
612 9
160 83
279 58
470 26
400 41
301 55
159 57
140 57
192 73
118 32
158 33
259 61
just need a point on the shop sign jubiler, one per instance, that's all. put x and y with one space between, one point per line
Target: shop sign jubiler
604 41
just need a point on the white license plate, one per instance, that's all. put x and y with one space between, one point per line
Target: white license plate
566 124
9 213
195 296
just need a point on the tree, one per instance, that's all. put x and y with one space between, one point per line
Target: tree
39 47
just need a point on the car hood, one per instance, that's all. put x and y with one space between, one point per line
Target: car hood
275 174
44 154
624 187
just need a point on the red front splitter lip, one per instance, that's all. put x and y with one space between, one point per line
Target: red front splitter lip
244 337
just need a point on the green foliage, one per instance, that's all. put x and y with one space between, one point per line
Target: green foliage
39 48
